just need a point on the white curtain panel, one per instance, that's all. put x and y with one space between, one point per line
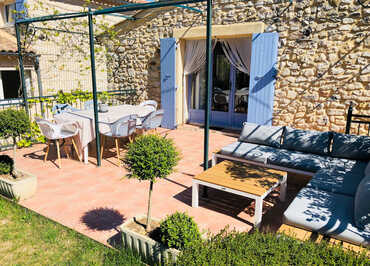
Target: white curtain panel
238 52
195 56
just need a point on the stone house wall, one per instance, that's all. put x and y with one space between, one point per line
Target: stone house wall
318 74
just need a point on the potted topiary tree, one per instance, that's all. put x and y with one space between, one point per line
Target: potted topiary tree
17 183
149 157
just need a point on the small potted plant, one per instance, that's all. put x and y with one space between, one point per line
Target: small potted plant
103 105
14 182
149 157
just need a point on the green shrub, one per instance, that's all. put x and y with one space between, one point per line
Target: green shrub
178 230
13 123
242 248
31 137
150 157
6 165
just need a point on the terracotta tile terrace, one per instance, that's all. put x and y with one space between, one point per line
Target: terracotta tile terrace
96 200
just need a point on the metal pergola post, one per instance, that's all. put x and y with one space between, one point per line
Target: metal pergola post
93 77
39 83
208 86
21 68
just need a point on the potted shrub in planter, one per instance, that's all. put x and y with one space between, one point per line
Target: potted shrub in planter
164 242
148 158
14 182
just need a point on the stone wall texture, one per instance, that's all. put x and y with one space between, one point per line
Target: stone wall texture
323 64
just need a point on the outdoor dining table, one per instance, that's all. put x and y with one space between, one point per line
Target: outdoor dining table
86 126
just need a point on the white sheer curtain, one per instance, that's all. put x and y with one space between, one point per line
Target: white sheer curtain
238 52
195 56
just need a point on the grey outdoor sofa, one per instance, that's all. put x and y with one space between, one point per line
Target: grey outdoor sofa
333 202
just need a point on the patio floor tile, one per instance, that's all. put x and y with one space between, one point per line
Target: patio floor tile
96 200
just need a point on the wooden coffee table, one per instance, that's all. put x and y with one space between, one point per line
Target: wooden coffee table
251 181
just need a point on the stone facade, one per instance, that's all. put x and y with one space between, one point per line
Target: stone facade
323 63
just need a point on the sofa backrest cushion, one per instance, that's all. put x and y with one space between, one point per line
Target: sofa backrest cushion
307 141
362 206
351 146
258 134
367 169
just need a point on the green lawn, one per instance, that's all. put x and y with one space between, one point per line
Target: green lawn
27 238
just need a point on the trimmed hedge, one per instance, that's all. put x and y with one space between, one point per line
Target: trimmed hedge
233 248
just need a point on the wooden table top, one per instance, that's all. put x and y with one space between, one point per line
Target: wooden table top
244 177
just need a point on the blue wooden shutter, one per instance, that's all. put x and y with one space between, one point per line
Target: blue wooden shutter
262 77
20 7
168 82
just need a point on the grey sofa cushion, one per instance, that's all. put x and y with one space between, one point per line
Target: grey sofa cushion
339 180
362 205
326 213
307 141
367 169
298 160
249 151
342 163
351 146
258 134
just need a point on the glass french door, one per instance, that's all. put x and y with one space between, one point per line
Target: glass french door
229 95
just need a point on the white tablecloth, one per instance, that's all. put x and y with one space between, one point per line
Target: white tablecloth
85 119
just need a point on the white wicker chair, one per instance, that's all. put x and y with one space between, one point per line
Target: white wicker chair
123 127
56 132
151 103
152 121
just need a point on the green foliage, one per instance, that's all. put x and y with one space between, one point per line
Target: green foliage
242 248
150 157
13 123
33 136
6 165
179 230
73 96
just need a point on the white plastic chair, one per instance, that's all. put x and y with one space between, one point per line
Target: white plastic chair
152 121
151 103
123 127
56 132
